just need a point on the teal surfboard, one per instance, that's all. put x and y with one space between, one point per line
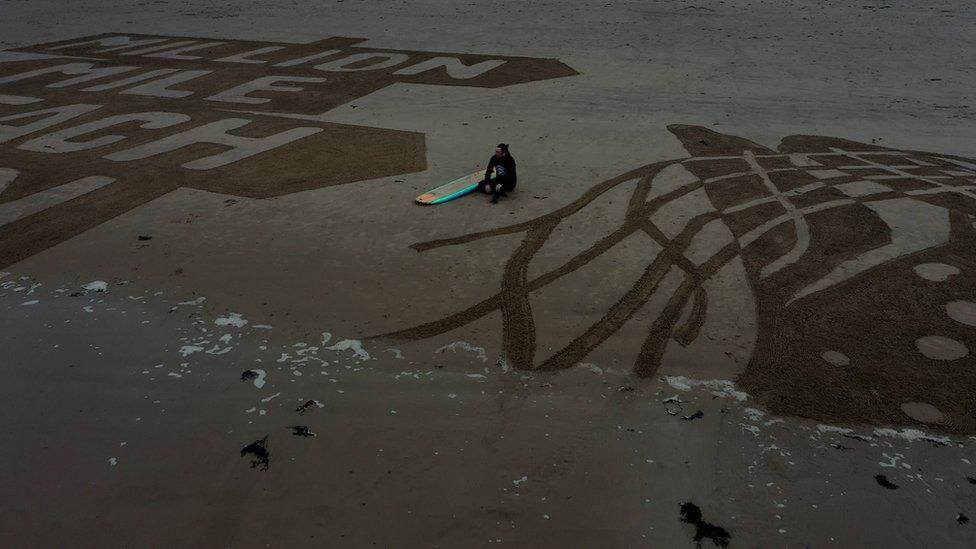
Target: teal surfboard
459 187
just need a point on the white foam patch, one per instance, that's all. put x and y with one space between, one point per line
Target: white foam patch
270 398
465 346
259 381
892 460
96 286
911 435
751 428
113 461
598 370
216 350
188 350
834 429
718 387
232 319
353 345
196 301
31 302
753 414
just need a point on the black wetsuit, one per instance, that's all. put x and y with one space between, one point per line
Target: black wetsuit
505 174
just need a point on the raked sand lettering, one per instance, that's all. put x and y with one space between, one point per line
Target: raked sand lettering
93 127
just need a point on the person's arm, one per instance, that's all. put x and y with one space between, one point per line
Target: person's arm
491 166
514 173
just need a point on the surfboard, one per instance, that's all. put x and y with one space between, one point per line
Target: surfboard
459 187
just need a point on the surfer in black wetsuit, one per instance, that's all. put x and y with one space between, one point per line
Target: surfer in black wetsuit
503 165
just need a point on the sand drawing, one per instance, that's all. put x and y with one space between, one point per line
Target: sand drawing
859 260
93 127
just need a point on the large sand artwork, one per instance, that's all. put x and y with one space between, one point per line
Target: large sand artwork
845 270
93 127
847 267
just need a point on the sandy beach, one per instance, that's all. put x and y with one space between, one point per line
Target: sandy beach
731 302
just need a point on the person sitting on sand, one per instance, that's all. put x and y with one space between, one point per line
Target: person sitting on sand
505 178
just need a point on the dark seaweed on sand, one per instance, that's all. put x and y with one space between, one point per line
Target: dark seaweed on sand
305 407
692 514
883 481
260 452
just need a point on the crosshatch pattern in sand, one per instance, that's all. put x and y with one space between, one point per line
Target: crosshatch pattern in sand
859 260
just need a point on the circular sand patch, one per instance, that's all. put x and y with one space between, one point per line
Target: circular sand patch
941 348
835 358
922 411
936 272
963 312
